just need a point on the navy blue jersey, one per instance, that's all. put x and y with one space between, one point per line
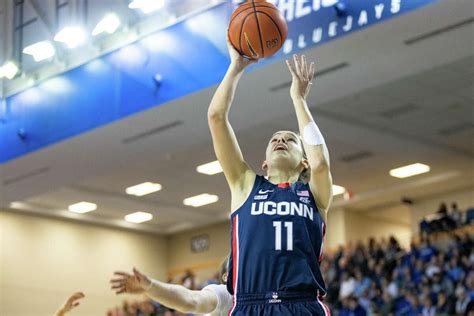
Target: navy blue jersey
276 242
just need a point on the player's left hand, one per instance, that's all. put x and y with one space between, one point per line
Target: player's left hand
302 76
71 303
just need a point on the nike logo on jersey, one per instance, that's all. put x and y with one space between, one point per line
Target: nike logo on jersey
265 191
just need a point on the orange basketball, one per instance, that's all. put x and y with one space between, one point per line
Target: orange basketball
257 29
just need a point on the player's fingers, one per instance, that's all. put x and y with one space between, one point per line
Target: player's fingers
304 68
297 65
312 69
78 295
291 68
117 286
117 281
125 274
136 272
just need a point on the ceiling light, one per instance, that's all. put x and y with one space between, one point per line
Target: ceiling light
200 200
139 217
109 24
337 189
143 188
40 51
18 205
8 70
410 170
82 207
72 36
210 168
147 6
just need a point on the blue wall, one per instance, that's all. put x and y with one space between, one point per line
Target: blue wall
189 56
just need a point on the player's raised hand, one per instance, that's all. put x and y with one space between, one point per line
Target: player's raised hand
302 76
239 61
135 283
70 303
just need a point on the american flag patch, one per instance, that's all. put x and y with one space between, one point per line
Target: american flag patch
302 193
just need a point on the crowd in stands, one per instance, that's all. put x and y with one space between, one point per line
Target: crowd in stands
443 220
381 278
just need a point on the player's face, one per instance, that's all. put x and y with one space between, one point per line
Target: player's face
284 150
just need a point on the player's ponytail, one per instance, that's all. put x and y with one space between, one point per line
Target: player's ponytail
223 269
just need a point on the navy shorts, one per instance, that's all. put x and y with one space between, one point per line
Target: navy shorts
278 304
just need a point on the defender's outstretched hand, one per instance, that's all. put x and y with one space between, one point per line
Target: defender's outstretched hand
135 283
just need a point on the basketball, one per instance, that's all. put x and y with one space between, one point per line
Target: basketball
257 29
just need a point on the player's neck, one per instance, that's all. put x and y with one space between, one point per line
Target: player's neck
280 176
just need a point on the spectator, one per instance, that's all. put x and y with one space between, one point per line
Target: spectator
362 283
427 251
347 285
189 280
456 215
355 308
392 288
428 308
462 300
444 307
443 209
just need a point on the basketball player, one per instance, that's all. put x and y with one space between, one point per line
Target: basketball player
213 299
70 304
278 222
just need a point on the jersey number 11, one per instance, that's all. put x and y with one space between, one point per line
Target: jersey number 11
289 235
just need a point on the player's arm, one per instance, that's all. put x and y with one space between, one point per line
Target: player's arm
71 303
313 141
226 147
171 295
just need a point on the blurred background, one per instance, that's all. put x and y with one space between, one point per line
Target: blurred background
106 161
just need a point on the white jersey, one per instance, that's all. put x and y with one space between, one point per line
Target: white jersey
224 299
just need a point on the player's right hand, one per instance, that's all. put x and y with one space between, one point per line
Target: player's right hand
237 60
136 283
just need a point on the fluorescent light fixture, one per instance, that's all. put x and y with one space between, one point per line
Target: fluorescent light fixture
200 200
139 217
18 205
72 36
210 168
147 6
108 24
8 70
410 170
337 189
82 207
40 51
143 188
